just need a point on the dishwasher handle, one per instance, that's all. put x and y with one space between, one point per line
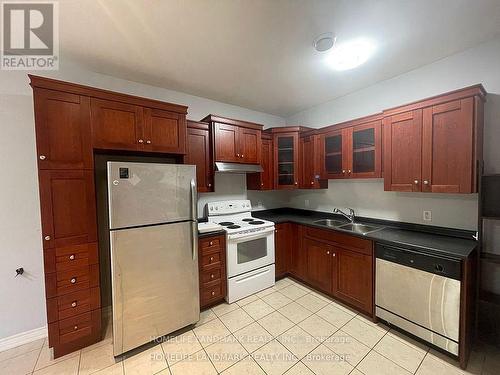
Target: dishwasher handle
438 265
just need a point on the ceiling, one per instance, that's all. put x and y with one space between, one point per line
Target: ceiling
258 54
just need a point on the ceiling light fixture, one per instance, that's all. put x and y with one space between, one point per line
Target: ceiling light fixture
324 42
350 55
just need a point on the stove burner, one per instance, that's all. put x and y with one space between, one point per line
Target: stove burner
249 219
233 226
256 222
226 223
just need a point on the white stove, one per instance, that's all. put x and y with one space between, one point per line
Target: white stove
250 247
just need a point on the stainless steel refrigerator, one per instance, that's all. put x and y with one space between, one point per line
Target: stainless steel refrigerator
153 242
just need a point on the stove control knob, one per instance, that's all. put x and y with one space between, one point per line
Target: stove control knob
211 208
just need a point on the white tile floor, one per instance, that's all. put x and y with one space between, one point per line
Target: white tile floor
288 329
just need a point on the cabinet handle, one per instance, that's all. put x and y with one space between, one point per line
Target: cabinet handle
148 142
415 182
47 238
73 280
312 182
73 304
209 185
261 184
42 157
349 171
212 276
75 328
141 140
213 293
426 182
242 155
328 252
334 254
238 155
211 259
211 243
72 257
343 171
295 183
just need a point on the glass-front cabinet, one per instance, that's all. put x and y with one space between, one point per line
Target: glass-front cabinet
286 157
353 152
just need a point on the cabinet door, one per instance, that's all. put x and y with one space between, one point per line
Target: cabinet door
307 173
319 264
447 147
164 131
67 200
265 179
286 156
227 143
403 151
250 145
199 154
298 258
116 126
334 154
62 123
282 242
354 278
365 151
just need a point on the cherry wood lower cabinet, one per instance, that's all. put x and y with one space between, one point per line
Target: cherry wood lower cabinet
319 263
282 248
200 153
212 266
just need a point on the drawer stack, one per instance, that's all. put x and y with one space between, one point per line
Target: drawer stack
212 265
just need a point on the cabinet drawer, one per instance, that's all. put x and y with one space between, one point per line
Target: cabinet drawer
70 257
211 259
211 293
75 327
60 283
211 275
210 243
350 242
69 334
73 304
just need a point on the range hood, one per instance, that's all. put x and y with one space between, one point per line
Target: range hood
237 168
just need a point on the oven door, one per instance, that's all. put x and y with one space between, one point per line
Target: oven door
250 252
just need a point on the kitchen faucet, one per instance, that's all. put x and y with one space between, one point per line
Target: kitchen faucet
349 216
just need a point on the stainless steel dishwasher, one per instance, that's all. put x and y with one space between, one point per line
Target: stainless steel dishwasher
419 293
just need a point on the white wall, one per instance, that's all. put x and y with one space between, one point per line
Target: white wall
476 65
23 298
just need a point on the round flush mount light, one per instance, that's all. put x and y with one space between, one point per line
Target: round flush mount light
351 54
324 42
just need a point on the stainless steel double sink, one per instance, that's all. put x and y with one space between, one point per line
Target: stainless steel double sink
348 227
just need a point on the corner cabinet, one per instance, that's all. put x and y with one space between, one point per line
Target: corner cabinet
353 151
435 145
200 153
236 141
265 179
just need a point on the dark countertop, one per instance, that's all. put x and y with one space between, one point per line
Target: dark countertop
449 242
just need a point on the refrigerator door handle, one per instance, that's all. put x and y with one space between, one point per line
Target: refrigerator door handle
194 216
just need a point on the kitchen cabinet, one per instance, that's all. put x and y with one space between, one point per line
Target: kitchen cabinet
282 245
263 180
212 268
310 162
286 159
200 153
319 263
435 145
164 131
352 149
236 141
62 123
298 258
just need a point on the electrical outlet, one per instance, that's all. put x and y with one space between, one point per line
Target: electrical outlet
427 215
259 204
306 203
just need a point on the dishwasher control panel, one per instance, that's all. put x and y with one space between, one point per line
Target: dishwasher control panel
442 266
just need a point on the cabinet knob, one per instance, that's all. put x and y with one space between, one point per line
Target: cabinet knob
213 293
242 155
349 171
209 185
148 142
295 183
312 182
238 155
211 259
212 276
415 182
261 184
73 304
47 238
73 280
211 243
334 254
328 252
141 140
75 328
343 171
42 157
426 182
72 257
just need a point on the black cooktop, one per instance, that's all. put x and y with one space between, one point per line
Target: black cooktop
256 222
233 226
248 219
226 223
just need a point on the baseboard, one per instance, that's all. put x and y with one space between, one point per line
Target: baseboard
23 338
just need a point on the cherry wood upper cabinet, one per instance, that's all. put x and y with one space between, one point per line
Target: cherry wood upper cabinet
236 141
164 131
352 149
403 151
67 201
265 179
199 153
62 122
310 162
117 126
286 158
435 145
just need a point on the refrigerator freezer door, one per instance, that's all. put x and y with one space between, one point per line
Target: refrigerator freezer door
154 282
150 193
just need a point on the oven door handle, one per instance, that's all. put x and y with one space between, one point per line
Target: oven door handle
245 237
